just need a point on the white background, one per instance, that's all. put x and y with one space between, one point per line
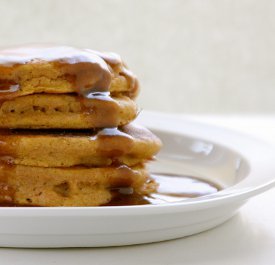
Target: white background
191 56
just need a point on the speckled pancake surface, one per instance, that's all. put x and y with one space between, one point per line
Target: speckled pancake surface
61 69
129 145
66 111
66 131
75 186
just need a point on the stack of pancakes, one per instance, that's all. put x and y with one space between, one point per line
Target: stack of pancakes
66 137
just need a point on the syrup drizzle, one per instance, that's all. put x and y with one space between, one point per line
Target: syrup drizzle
88 70
90 73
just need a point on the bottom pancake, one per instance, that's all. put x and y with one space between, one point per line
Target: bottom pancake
75 186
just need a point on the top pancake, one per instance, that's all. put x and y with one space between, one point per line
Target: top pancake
61 69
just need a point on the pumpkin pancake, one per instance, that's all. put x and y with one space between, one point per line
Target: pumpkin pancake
129 145
34 69
75 186
65 132
66 111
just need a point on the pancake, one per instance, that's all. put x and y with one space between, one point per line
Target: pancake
129 145
34 69
76 186
66 137
66 111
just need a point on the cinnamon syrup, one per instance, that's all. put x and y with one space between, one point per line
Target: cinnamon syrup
172 188
90 74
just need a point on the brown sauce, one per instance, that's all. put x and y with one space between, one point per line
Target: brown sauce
113 142
90 73
172 188
7 86
105 108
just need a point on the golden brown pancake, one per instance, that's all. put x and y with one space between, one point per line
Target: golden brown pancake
129 145
66 111
61 69
65 137
76 186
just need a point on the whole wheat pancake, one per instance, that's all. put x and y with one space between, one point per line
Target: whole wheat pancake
129 145
66 111
61 69
76 186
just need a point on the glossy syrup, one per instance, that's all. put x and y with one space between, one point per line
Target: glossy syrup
171 188
89 72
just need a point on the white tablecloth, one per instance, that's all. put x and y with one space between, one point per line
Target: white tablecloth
248 238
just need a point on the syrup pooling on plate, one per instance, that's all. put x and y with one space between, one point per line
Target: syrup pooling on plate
171 188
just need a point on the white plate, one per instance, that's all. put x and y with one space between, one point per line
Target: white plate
243 165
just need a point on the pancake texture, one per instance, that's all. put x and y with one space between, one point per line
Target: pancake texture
62 69
129 145
76 186
66 131
65 111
